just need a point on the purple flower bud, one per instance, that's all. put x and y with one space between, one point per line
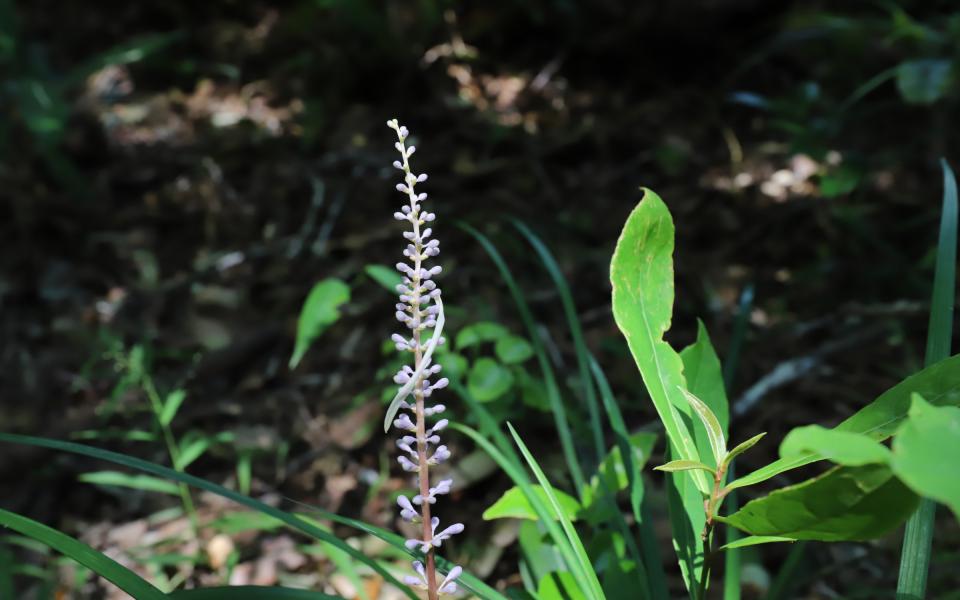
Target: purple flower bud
407 465
404 423
397 164
421 177
411 150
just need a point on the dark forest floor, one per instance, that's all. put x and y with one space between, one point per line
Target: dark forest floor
225 172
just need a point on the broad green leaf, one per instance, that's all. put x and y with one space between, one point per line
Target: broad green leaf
171 405
387 277
533 392
99 563
924 81
843 504
454 365
320 310
939 384
480 332
717 441
513 349
741 448
191 449
583 567
754 540
683 465
928 443
559 585
641 273
488 380
841 447
249 592
138 482
704 375
612 475
513 504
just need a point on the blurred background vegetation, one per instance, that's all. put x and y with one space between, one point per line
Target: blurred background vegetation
175 176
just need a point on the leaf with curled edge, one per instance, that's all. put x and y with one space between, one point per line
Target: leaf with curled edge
407 388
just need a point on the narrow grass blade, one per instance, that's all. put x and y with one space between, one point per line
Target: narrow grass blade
99 563
6 571
143 483
550 380
918 537
732 557
249 592
785 582
294 522
650 560
588 574
576 332
547 518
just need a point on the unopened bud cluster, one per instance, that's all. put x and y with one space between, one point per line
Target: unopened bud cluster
419 309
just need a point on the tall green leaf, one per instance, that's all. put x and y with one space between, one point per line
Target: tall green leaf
553 391
642 276
99 563
917 540
576 332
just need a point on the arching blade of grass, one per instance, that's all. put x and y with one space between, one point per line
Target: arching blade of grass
294 522
99 563
550 380
732 557
589 575
545 515
918 537
576 332
651 562
249 592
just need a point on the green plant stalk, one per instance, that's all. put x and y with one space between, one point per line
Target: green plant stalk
733 557
173 449
918 537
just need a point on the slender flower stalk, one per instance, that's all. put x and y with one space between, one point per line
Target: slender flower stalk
420 309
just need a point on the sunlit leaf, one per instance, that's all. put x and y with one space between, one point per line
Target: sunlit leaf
320 310
488 380
928 443
513 504
513 349
841 447
641 273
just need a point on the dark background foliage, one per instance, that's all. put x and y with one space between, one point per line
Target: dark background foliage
175 176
